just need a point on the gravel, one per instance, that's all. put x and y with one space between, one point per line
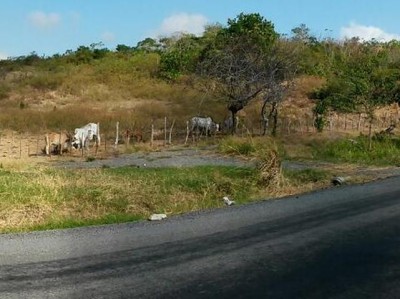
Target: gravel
208 156
175 158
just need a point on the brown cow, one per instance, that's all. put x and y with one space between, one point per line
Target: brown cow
57 143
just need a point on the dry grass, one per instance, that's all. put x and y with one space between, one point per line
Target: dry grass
35 196
42 197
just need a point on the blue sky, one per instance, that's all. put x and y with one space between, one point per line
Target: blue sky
48 27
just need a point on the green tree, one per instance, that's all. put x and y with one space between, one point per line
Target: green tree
149 45
242 62
180 55
364 81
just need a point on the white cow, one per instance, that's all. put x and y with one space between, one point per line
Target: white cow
203 125
85 134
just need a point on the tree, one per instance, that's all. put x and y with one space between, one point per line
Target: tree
282 62
121 48
180 55
365 80
236 64
302 34
149 45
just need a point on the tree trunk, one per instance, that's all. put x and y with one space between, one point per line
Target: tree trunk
264 119
275 118
233 115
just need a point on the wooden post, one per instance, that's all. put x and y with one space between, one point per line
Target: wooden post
170 132
116 135
83 143
127 138
152 135
187 131
98 138
165 131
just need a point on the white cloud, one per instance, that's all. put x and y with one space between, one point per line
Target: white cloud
183 22
42 20
108 36
366 33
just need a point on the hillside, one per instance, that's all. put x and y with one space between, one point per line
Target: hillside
50 96
57 94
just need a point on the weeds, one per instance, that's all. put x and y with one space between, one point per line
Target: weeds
247 147
385 151
46 199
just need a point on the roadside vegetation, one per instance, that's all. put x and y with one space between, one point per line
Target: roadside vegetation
381 152
294 97
43 198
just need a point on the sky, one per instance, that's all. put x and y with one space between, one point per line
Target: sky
49 27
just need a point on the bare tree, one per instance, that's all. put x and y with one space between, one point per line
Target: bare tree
242 71
279 80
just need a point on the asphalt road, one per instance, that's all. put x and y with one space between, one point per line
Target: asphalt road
339 243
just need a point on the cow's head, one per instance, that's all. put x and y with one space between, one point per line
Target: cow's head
76 143
76 139
214 127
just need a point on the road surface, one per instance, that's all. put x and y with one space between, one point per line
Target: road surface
342 242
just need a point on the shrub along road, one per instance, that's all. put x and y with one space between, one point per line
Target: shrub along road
337 243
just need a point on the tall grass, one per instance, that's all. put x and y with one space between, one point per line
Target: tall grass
249 146
385 151
43 198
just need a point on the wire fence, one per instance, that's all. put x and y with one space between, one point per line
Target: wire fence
118 137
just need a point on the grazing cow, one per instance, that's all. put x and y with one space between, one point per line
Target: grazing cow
57 143
85 134
203 125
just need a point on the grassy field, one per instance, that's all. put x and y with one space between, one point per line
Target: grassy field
37 196
54 96
68 199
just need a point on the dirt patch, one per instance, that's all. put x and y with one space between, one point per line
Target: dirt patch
21 146
166 158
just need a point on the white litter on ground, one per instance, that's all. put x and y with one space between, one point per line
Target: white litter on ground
156 217
227 201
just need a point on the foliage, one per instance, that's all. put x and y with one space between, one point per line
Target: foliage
54 198
237 146
364 80
306 175
241 62
181 56
384 151
249 147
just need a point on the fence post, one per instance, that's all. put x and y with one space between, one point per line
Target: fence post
165 131
170 132
152 135
187 131
116 135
